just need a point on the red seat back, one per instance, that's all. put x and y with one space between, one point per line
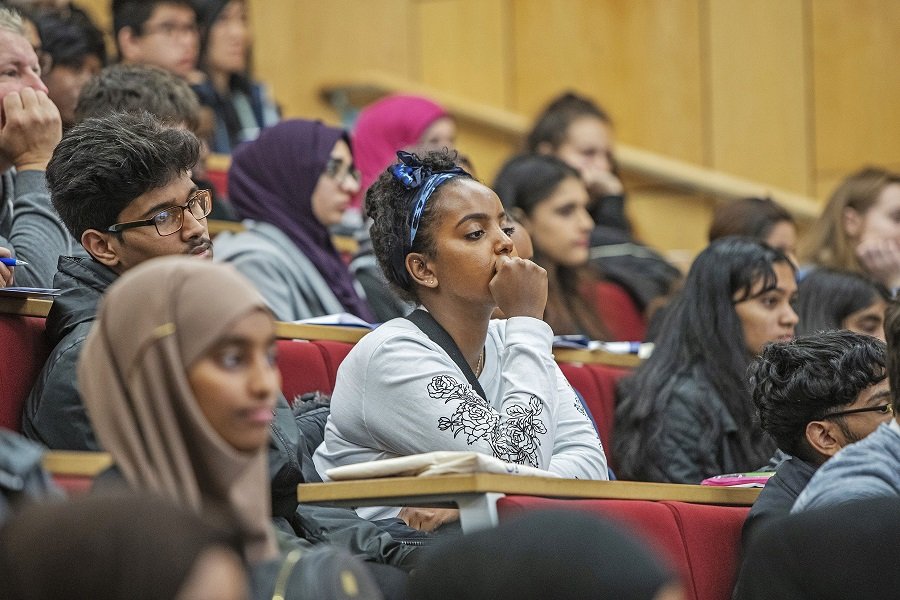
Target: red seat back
651 522
22 352
334 353
712 540
618 312
597 384
302 369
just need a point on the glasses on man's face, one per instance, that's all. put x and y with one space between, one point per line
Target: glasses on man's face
882 410
171 219
171 30
341 172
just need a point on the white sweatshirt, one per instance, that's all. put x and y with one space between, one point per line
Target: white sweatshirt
398 393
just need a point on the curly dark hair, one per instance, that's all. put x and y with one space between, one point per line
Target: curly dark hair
389 204
800 381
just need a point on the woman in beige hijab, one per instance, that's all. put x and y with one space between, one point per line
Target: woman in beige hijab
161 328
179 379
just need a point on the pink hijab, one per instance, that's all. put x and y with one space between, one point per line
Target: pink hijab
391 124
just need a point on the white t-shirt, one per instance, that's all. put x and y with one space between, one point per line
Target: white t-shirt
398 393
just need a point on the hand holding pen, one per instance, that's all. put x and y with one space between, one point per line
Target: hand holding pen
7 264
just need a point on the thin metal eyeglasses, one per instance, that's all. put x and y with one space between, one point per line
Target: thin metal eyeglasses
171 219
882 409
335 169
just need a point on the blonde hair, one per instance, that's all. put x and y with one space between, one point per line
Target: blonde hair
827 243
11 20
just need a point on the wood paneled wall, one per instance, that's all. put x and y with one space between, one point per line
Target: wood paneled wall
796 93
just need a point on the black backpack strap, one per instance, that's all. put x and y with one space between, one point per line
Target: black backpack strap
424 321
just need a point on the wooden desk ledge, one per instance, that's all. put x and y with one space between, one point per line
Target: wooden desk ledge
26 307
83 464
398 491
39 307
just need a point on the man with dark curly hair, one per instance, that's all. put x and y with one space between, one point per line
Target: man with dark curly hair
814 396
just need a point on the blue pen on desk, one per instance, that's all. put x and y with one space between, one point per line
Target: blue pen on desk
13 262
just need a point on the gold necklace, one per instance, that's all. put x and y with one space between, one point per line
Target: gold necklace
480 364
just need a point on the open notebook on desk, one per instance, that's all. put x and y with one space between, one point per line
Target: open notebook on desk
28 292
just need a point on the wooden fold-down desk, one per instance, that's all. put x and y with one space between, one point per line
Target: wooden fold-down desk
476 494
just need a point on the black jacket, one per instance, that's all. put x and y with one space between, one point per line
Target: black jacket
54 414
782 489
699 436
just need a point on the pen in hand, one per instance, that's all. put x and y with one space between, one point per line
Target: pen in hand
13 262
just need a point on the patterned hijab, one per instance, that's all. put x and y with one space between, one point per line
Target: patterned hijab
155 322
272 179
384 127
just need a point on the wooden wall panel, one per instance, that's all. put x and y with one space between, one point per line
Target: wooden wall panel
300 44
641 60
758 87
855 45
463 47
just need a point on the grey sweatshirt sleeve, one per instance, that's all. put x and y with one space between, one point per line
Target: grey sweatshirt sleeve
35 233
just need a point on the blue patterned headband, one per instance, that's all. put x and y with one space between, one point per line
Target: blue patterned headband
413 175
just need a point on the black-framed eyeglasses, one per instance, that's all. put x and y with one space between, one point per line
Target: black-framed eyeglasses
171 219
882 409
338 170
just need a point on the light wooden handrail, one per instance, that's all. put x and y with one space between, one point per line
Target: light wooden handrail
82 464
365 88
396 491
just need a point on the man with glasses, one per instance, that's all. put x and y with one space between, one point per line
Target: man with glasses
29 130
121 184
162 33
869 468
814 396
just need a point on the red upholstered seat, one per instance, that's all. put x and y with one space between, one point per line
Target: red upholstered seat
597 385
334 353
219 180
604 412
651 522
74 485
702 542
303 369
712 540
584 382
22 352
618 311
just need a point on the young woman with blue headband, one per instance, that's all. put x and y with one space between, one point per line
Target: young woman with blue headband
442 239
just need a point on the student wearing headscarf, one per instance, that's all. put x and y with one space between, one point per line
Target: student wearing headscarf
545 554
181 393
294 182
398 122
109 547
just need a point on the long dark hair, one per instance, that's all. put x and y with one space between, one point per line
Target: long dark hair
524 182
701 337
828 296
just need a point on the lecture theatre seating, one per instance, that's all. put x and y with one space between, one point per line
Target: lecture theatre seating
23 353
306 366
700 542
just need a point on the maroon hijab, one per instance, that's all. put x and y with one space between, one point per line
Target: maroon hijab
272 179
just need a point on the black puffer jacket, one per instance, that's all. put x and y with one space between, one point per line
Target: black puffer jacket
54 414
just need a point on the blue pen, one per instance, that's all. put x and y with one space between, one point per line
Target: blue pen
13 262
